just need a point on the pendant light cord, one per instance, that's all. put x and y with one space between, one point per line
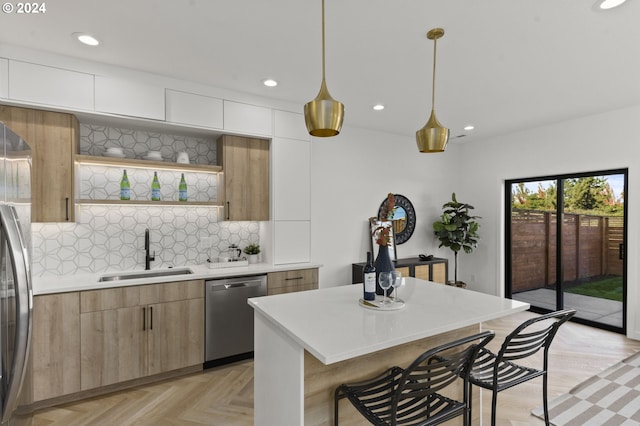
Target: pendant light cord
322 40
433 84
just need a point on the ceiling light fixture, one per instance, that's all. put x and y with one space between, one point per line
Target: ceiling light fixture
469 127
433 137
269 82
608 4
323 115
378 107
87 39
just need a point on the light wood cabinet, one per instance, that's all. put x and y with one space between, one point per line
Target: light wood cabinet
132 332
54 363
292 281
54 139
245 164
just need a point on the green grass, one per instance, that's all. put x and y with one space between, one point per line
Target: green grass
606 288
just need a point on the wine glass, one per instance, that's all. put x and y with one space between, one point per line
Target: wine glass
385 284
396 282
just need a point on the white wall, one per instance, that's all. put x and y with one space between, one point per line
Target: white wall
598 142
351 175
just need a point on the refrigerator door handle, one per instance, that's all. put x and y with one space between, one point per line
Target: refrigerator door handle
19 258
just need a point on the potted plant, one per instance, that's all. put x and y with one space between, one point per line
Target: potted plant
252 251
458 230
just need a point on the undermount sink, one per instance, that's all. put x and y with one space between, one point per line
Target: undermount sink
145 274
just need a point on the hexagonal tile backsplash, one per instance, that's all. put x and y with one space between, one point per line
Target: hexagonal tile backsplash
111 237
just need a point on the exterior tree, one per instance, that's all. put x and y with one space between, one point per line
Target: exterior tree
457 229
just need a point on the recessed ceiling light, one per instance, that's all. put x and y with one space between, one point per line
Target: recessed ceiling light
608 4
87 39
270 82
469 127
378 107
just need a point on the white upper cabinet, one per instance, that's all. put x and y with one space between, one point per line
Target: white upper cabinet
40 84
127 97
247 119
4 78
290 125
194 110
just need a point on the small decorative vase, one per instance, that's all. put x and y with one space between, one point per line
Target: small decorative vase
253 258
383 263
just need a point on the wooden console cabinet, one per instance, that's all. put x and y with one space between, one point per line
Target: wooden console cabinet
431 270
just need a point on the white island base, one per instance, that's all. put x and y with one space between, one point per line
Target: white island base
308 343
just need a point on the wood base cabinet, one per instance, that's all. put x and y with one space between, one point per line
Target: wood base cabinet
291 281
54 139
54 362
133 332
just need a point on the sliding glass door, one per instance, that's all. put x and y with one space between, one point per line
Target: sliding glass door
565 241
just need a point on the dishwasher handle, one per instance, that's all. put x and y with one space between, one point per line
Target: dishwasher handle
230 286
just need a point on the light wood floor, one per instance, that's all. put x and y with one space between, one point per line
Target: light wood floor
224 396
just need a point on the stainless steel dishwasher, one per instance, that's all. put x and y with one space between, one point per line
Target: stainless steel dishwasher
229 319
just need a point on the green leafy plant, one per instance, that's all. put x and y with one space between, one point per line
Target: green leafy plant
457 229
252 249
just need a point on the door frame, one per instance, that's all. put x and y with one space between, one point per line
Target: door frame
559 178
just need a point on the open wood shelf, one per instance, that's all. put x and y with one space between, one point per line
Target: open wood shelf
151 203
146 164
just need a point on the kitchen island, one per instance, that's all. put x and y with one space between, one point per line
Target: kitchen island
307 343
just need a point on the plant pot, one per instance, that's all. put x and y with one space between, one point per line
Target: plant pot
383 263
252 258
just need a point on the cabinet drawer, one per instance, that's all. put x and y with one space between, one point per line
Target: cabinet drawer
110 298
289 281
124 297
170 292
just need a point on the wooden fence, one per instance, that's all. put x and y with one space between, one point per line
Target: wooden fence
591 248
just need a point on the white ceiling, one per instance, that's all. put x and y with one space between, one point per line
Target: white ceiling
503 65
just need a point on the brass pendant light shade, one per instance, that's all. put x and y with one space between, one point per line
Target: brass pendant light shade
323 115
433 137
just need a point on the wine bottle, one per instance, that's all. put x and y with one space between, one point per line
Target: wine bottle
369 278
125 188
155 188
182 189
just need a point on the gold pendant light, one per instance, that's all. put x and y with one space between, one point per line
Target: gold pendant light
323 115
433 137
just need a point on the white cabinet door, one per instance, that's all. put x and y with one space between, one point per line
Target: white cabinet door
4 78
247 119
40 84
292 242
126 97
290 125
291 179
192 109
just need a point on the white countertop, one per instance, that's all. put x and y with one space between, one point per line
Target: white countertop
330 324
50 284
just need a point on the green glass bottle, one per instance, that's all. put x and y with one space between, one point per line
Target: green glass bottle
155 188
125 187
182 189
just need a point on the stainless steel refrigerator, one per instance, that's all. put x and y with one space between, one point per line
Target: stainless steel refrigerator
16 299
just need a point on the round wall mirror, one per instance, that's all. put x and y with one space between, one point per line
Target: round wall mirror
404 218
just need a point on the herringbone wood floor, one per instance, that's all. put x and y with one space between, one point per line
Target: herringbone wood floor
224 396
